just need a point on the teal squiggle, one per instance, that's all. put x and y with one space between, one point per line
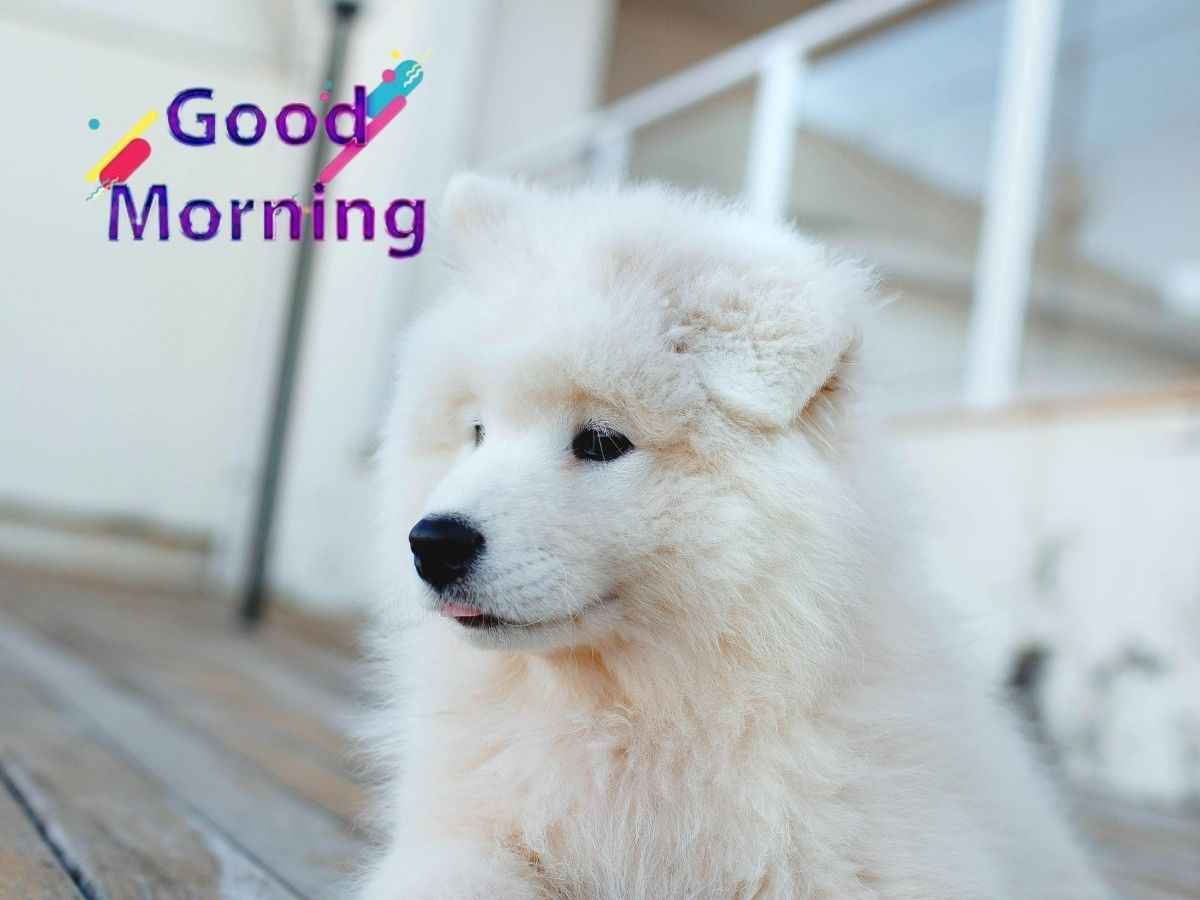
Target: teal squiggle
409 74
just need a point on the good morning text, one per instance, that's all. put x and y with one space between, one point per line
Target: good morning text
295 124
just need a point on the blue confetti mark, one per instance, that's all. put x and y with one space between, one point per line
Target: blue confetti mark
409 74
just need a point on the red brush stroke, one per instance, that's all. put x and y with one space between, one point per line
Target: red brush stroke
121 166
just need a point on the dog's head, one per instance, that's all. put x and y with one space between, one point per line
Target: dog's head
626 412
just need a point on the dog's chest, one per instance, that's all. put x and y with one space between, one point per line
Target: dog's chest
603 815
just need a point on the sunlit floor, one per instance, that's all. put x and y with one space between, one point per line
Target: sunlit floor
150 749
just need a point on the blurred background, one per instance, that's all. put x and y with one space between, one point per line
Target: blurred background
1022 172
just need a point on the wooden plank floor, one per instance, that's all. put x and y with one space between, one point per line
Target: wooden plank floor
148 749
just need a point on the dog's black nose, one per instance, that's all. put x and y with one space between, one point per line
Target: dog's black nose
444 549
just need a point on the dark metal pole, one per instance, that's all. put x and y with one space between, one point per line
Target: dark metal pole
254 598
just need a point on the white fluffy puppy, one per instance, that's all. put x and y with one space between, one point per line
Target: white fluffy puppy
663 638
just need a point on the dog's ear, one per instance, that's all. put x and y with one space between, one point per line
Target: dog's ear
475 206
773 351
822 415
776 390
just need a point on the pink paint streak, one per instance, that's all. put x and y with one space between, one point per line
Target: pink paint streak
351 150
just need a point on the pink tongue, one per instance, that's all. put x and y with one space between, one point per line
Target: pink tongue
460 611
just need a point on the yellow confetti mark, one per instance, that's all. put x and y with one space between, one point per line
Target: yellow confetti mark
138 127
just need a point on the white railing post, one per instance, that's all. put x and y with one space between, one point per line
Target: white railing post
610 155
1009 228
770 156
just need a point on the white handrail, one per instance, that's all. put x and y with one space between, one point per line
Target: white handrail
809 31
1009 231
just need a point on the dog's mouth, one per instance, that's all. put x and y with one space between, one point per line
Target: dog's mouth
472 616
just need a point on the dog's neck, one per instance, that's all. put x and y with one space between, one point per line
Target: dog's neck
664 679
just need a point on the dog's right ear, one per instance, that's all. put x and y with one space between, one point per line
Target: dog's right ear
474 207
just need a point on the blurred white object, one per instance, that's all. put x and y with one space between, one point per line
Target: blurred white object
1181 288
1070 531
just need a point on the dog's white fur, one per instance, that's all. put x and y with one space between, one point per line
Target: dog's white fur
729 682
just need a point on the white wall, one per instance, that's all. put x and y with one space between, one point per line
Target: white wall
134 372
137 375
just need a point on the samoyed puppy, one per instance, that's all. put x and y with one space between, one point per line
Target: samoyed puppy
649 621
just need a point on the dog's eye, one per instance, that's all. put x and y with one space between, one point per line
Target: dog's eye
600 444
478 433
